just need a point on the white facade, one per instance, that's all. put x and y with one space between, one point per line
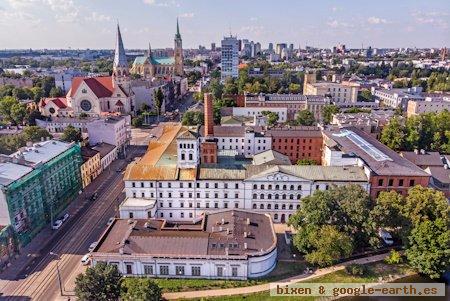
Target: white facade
255 111
398 97
112 130
139 208
276 193
188 154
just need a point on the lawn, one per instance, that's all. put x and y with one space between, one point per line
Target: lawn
282 270
375 271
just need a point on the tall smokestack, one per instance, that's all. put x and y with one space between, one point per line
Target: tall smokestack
209 116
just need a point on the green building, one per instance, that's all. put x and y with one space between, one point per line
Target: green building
36 184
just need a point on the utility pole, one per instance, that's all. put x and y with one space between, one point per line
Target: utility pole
58 273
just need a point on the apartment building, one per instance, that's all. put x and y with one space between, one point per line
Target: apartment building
339 93
433 103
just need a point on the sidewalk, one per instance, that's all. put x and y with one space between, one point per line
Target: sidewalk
265 287
40 242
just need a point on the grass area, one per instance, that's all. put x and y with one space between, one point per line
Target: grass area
375 271
282 270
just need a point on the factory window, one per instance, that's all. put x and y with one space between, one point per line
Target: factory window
380 182
269 206
164 270
411 182
234 271
148 269
254 206
195 271
129 268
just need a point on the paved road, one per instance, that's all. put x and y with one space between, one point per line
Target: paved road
41 282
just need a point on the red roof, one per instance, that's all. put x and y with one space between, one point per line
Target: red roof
102 86
60 102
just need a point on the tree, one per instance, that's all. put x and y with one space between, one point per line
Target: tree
137 121
140 289
56 92
328 111
294 88
272 117
429 249
230 87
365 95
158 99
6 105
34 133
393 135
193 118
305 117
329 246
32 116
18 113
71 134
101 283
306 161
423 203
216 88
388 210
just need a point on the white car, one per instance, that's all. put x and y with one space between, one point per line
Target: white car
65 217
57 224
86 259
386 237
92 246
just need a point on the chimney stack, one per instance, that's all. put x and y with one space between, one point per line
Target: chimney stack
209 116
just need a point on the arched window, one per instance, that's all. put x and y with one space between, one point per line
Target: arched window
276 206
277 187
261 196
269 187
255 196
299 196
269 196
298 207
254 186
292 187
262 186
299 187
283 197
284 187
283 207
254 206
277 197
191 157
275 216
261 206
291 196
291 207
269 206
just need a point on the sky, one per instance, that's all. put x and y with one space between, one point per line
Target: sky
81 24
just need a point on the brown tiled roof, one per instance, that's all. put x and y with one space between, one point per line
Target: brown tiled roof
236 232
396 166
60 102
296 132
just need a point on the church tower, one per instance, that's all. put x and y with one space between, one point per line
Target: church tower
178 52
120 65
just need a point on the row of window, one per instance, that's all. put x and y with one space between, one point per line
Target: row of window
276 196
188 195
277 187
189 185
400 182
180 270
276 206
198 205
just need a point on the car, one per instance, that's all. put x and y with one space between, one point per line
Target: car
386 237
65 217
57 224
94 196
86 259
110 221
92 246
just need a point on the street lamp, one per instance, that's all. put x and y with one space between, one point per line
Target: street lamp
59 274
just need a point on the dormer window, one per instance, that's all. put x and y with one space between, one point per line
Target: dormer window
84 91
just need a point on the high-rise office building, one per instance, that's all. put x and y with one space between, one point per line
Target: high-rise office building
230 57
213 46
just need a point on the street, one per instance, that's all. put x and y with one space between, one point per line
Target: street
40 280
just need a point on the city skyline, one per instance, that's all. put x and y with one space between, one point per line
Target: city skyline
56 24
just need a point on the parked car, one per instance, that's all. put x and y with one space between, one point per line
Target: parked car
110 221
386 237
92 246
65 217
57 224
86 259
94 196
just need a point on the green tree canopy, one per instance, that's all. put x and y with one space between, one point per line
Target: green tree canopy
306 161
393 134
140 289
272 117
327 113
305 117
193 118
71 134
101 283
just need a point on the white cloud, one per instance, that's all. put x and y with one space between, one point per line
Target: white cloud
338 24
163 3
434 18
187 15
97 17
376 20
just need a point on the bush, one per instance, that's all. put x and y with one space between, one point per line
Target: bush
356 269
394 257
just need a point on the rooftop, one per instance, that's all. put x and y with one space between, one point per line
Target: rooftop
104 148
224 233
379 158
138 202
423 159
42 152
271 157
10 172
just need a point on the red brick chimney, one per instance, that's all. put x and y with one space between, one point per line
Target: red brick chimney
209 116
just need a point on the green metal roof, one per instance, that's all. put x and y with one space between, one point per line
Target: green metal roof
140 60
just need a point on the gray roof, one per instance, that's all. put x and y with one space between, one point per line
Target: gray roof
271 157
42 152
310 172
440 173
426 159
104 148
10 172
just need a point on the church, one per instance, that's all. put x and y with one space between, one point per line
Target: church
149 66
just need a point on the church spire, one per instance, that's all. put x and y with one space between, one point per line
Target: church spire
120 59
177 35
149 50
